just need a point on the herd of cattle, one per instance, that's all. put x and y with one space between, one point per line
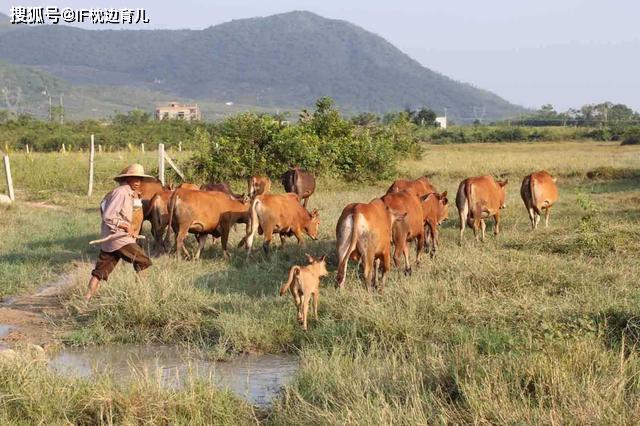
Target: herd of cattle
411 210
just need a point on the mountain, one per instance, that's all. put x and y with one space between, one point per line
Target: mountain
287 60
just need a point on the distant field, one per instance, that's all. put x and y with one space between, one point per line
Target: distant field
529 328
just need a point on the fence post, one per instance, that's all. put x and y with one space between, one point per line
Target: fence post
142 147
63 149
27 148
180 146
161 163
92 152
7 171
100 148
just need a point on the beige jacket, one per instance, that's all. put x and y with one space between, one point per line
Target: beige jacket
117 207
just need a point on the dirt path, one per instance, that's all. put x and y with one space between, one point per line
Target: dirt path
31 318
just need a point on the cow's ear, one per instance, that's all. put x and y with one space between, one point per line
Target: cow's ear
445 201
504 182
444 195
424 197
315 213
310 258
323 258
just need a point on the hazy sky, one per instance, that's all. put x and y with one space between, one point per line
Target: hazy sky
564 52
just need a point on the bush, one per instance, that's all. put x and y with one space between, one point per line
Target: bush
632 136
325 144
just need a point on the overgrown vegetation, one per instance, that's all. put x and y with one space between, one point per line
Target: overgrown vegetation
323 142
533 327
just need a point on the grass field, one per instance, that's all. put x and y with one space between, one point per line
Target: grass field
528 328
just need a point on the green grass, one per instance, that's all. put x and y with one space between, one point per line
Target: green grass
527 328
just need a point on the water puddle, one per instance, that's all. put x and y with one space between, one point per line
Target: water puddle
256 378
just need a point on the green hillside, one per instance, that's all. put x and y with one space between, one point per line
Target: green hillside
286 60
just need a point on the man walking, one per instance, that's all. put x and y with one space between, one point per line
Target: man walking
117 230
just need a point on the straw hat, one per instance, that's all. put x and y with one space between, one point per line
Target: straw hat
134 170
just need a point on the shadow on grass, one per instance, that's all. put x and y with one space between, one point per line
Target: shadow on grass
262 275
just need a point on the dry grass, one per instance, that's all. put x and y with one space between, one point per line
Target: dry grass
528 328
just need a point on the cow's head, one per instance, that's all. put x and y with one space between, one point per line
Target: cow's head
319 262
502 185
313 224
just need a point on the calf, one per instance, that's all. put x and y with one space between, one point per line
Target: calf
363 232
479 198
299 182
435 210
539 192
304 283
258 185
412 228
204 213
282 214
419 187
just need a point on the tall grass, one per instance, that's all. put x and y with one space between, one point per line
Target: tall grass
531 327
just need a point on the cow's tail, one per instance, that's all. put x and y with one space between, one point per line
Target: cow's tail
253 225
293 274
156 221
172 205
347 241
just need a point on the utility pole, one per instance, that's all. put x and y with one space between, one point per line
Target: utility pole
61 110
50 118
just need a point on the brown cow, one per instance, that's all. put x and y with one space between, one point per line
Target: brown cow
191 186
159 216
539 192
147 190
299 182
479 198
412 228
420 187
435 210
224 188
258 185
204 213
282 214
363 232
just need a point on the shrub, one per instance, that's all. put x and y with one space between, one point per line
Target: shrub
631 136
325 143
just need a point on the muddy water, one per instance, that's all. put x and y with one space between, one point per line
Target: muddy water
257 378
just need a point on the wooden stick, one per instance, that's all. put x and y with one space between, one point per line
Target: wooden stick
161 162
7 171
172 164
113 237
92 153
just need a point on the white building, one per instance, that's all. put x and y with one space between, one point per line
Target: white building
441 122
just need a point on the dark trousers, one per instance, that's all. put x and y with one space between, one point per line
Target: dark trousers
131 253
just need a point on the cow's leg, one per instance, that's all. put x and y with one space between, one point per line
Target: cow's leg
547 212
532 217
305 306
496 229
180 236
316 300
386 267
298 233
376 266
463 222
298 301
420 243
282 240
202 239
268 235
224 239
483 227
477 224
407 263
367 265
